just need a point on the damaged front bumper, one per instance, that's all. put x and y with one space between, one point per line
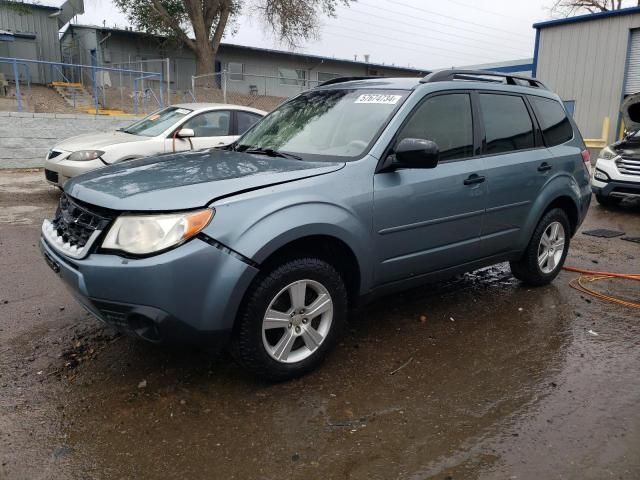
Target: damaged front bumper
187 295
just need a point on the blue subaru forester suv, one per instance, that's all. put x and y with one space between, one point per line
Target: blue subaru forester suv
354 189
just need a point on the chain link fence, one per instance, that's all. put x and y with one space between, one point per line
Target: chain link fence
263 92
61 87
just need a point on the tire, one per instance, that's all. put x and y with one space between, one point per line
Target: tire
260 343
532 268
608 201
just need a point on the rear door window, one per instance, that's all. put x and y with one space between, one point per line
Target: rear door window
245 120
556 127
447 121
210 124
507 123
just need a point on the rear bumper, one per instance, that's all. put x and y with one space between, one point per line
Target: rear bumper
187 295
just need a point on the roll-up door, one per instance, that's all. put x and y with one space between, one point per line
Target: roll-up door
632 81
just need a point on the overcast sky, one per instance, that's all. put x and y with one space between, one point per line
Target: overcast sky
416 33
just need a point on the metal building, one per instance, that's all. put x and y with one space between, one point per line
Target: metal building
248 67
30 31
593 63
521 66
34 29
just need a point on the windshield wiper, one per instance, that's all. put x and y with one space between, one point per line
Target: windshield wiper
270 152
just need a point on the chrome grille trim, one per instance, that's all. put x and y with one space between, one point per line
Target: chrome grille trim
628 166
56 241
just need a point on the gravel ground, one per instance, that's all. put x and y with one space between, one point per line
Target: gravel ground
477 377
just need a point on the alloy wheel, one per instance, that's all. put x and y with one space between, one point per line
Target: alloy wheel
297 321
551 247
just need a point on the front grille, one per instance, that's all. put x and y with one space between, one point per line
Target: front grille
628 166
75 222
76 226
51 176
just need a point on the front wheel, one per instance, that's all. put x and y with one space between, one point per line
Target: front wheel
291 317
547 250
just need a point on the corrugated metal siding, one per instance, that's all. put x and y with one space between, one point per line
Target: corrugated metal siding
44 27
632 82
585 62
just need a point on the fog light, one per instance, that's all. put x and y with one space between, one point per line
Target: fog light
600 175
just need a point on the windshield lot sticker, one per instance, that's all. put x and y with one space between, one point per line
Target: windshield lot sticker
378 98
182 111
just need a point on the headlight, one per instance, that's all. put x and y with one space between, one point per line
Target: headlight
607 153
143 234
84 155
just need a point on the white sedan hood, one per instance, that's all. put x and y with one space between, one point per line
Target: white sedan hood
97 141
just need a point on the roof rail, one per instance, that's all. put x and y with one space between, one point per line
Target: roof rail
344 79
482 76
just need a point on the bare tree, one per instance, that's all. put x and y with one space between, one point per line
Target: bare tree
573 7
207 20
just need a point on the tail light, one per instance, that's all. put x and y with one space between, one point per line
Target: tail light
586 158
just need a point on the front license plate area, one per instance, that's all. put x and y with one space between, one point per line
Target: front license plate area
55 266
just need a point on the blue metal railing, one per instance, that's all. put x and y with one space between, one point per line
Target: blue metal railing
94 69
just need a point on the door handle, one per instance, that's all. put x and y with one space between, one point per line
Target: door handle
544 167
473 179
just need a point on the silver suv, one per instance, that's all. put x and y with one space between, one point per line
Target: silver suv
355 189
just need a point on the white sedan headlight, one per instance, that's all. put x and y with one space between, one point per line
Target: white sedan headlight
85 155
144 234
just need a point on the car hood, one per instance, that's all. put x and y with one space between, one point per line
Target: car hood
187 180
90 141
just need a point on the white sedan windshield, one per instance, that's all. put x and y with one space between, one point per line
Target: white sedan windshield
157 122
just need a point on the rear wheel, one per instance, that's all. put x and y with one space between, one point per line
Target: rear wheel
290 319
547 250
607 201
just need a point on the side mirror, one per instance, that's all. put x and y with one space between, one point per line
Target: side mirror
416 153
186 133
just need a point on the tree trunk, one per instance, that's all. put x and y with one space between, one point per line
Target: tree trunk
205 58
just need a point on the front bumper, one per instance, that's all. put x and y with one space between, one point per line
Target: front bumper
187 295
616 189
59 169
619 184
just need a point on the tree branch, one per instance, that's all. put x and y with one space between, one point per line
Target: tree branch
222 23
171 22
211 10
194 11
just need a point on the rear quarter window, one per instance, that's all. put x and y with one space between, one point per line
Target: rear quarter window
556 127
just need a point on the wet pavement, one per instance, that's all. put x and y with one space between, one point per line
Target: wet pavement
477 377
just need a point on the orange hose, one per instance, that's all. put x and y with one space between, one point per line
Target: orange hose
630 276
593 276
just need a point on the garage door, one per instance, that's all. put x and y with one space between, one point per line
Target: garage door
632 82
20 48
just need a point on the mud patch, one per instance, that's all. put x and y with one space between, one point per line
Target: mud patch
18 215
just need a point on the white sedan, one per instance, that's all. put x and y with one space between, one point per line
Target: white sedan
188 126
